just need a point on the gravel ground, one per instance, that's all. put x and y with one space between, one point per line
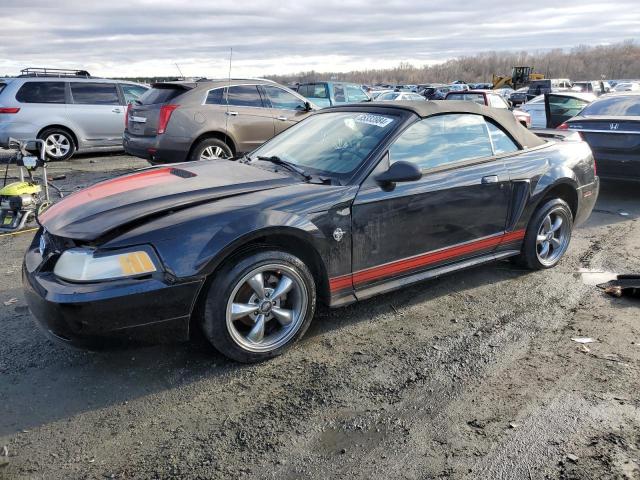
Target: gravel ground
471 376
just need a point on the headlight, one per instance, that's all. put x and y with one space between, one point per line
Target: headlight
83 265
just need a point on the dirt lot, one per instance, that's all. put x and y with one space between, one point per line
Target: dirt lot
470 376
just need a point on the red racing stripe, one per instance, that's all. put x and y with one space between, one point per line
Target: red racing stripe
109 188
411 263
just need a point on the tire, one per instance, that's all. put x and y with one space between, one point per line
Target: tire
211 149
234 307
59 144
534 247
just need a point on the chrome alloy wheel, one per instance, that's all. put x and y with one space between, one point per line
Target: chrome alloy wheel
266 308
553 237
213 152
57 145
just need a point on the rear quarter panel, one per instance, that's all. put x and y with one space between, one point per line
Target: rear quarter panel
535 172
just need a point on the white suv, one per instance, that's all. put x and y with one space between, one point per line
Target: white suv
70 110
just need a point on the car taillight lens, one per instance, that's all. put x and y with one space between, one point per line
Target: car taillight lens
165 116
126 116
563 126
9 110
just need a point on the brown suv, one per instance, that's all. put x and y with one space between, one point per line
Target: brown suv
181 121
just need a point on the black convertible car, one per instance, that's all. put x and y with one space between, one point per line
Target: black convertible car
353 201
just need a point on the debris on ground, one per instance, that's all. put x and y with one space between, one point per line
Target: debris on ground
10 302
627 285
572 458
583 339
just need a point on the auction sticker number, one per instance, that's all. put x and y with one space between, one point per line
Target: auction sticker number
377 120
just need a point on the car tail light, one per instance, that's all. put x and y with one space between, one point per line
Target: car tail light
563 126
9 110
165 115
126 116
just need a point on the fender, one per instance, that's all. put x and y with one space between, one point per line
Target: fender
254 225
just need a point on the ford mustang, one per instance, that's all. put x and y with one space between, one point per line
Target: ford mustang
351 202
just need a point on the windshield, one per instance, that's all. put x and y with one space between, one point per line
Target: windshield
389 96
333 143
473 97
623 106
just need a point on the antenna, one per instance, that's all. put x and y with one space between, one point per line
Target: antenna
180 71
226 120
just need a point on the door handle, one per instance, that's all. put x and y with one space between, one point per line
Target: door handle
232 114
116 110
283 119
489 179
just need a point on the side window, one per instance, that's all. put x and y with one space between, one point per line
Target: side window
559 105
244 96
441 140
132 93
355 94
41 92
216 97
502 143
338 94
497 101
282 99
94 93
313 90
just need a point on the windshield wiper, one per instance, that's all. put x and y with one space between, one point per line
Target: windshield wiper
289 166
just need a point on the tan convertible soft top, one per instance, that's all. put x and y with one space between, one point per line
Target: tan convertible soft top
501 116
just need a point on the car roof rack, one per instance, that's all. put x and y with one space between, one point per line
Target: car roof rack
53 72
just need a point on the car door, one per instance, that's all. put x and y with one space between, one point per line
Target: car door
457 210
560 108
286 109
249 120
97 111
355 94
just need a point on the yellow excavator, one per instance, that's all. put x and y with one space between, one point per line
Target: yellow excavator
520 77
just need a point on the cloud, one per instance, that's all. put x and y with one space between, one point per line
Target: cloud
143 37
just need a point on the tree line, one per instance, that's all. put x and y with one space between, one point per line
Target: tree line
617 61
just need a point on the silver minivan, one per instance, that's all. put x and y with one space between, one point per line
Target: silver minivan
70 110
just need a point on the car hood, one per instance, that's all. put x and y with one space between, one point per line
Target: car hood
93 212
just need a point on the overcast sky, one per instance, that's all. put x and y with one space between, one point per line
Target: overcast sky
147 37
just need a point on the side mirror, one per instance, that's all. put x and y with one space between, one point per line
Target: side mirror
307 106
399 172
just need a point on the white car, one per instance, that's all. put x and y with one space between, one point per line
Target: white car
535 107
399 96
627 87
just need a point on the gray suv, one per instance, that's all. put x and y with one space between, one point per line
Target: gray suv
180 121
70 110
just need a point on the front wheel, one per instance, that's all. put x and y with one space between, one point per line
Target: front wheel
548 235
260 305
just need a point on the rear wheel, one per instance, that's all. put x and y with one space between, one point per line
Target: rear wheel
59 144
548 235
211 149
259 305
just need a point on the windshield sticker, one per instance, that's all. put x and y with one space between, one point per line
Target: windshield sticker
377 120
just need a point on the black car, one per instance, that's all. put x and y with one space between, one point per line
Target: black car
353 201
611 127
